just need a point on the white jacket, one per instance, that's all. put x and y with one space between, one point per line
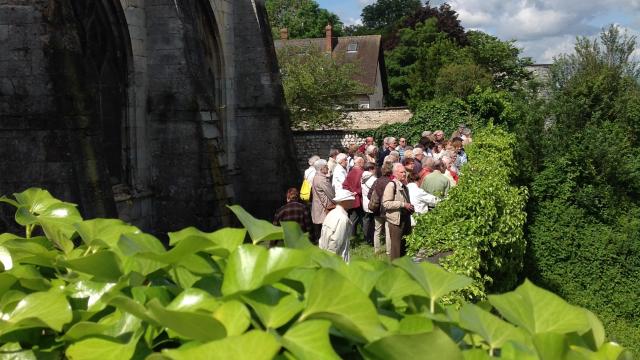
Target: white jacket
339 174
367 180
336 231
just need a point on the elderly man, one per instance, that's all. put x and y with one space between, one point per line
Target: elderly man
418 155
377 190
402 146
371 154
367 142
436 183
339 172
391 146
439 136
398 210
332 159
336 228
322 193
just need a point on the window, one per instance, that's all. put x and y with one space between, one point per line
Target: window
352 47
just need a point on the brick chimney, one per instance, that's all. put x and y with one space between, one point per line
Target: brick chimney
284 34
328 39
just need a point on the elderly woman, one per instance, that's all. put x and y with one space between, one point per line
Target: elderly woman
322 193
336 228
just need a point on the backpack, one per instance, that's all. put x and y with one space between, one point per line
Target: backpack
305 190
375 199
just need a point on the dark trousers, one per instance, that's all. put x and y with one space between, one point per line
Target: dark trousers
316 229
368 227
356 215
397 234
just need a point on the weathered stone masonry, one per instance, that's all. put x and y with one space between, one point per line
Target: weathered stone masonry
156 111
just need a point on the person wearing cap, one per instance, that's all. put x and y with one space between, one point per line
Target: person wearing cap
336 228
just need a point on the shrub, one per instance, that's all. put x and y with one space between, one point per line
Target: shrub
482 219
101 289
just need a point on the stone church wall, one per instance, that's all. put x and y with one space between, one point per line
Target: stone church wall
193 89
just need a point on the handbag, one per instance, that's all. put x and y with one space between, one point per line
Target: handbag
305 190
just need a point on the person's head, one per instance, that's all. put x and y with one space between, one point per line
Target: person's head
461 128
395 155
439 165
399 172
353 149
418 154
413 177
333 153
393 143
341 159
372 150
408 147
344 198
358 162
321 166
408 164
466 132
428 163
439 135
369 140
426 134
456 143
402 142
446 158
370 166
313 159
408 154
386 169
385 141
293 195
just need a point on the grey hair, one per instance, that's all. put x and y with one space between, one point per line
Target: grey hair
313 159
395 153
417 151
371 149
319 164
386 140
392 139
429 162
397 166
341 157
333 152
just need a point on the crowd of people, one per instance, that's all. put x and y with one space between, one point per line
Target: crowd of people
379 189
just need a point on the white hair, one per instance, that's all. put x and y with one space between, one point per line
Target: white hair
313 159
319 164
408 154
417 151
397 166
395 154
371 149
341 156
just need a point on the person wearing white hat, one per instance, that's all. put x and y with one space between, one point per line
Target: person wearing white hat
336 228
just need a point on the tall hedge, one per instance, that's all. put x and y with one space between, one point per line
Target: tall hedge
481 221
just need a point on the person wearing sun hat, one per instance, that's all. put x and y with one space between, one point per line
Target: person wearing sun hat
336 228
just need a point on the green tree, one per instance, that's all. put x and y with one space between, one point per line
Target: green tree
317 87
383 14
586 198
303 18
461 80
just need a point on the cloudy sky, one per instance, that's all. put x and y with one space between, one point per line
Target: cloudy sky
542 28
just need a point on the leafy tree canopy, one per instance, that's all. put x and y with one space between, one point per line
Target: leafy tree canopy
383 14
303 18
317 87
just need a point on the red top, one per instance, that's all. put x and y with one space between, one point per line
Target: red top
353 184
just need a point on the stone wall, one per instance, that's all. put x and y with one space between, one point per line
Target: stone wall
195 98
319 142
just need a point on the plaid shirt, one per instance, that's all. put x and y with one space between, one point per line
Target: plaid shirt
294 211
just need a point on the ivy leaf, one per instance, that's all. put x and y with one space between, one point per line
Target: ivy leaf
57 222
235 317
5 259
222 242
492 329
273 306
49 309
309 340
539 311
190 325
294 237
259 230
436 281
432 345
253 345
105 231
332 297
104 265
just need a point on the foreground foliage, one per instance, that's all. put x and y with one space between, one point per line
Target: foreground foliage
482 219
118 294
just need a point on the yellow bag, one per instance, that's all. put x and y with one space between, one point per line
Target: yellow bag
305 190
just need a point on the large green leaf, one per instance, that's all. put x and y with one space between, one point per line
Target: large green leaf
135 243
57 222
415 324
432 345
104 265
539 311
105 232
273 306
364 274
235 317
551 346
35 200
253 345
331 296
190 325
309 340
250 267
90 290
222 242
395 284
193 300
50 309
103 348
5 259
259 230
492 329
294 237
436 281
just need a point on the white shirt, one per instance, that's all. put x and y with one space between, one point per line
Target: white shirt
336 231
367 180
421 200
309 174
339 174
